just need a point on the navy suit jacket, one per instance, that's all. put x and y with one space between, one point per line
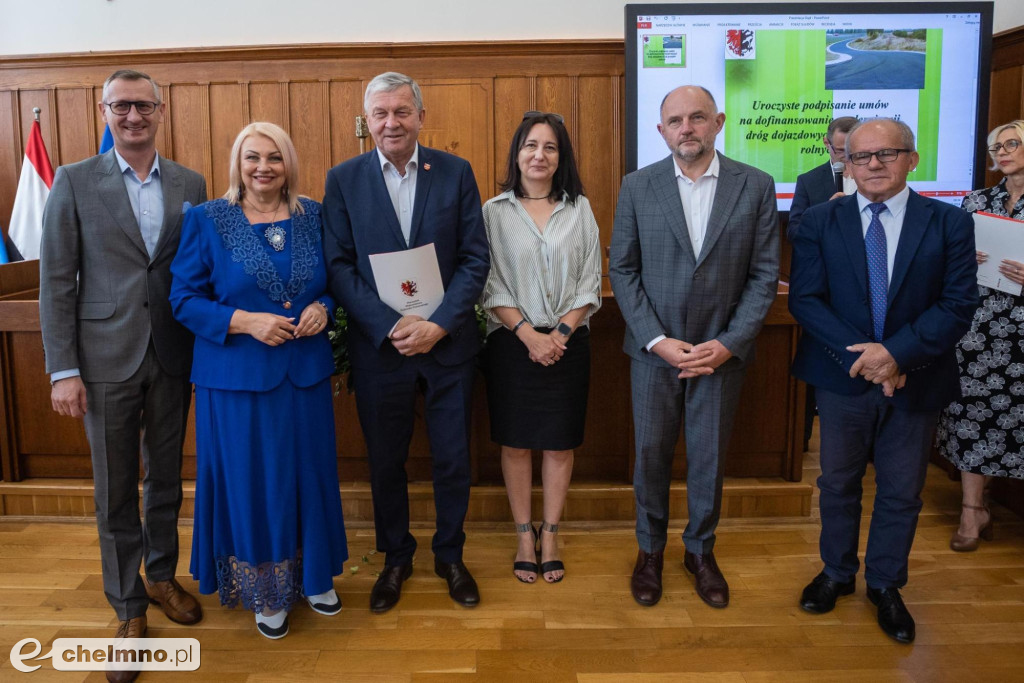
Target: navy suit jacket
360 220
814 187
933 294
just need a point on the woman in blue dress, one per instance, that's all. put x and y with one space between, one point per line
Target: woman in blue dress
250 282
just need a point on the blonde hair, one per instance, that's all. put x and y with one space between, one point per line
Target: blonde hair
277 135
1017 125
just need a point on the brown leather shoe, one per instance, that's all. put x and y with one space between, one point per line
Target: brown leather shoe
711 585
132 628
176 603
646 582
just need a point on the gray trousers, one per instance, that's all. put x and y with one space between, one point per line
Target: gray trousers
149 408
661 403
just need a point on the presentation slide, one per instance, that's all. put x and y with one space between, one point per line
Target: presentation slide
781 78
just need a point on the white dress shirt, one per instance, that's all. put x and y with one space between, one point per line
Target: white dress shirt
401 188
696 196
892 222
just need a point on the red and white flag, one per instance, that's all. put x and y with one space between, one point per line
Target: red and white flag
33 188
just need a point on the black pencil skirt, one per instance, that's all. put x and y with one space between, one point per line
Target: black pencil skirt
533 405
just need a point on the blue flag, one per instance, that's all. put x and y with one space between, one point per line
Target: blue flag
3 249
108 140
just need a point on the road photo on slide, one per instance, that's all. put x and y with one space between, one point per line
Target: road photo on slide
875 59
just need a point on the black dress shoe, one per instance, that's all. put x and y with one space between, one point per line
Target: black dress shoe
461 585
893 616
646 582
388 588
820 594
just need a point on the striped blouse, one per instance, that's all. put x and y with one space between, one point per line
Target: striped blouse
544 275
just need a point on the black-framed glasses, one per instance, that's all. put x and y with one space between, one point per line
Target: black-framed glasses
122 107
886 156
1010 146
531 114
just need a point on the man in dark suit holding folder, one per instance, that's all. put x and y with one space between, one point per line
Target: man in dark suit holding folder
396 197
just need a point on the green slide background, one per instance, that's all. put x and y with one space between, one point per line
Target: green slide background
790 67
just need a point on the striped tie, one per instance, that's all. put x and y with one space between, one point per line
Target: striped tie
878 270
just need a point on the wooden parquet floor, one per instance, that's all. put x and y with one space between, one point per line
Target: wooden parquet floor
969 610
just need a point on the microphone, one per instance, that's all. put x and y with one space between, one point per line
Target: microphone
837 168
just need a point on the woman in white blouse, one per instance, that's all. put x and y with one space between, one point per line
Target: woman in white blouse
544 284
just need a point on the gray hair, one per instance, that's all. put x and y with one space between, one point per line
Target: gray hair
131 75
389 81
906 135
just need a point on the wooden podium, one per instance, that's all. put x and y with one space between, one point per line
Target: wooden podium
38 445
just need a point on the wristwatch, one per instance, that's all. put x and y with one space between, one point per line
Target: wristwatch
564 330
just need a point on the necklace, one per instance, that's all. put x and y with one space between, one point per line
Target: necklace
535 198
274 233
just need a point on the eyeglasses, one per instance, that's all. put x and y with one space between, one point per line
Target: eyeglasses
886 156
531 114
121 108
1010 146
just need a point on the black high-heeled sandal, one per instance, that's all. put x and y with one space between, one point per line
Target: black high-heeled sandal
522 565
551 565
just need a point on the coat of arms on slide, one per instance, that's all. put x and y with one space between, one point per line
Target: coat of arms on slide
739 44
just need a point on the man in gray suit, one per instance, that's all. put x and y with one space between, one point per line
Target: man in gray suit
115 355
694 266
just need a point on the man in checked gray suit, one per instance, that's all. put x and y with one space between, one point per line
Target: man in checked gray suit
694 266
116 356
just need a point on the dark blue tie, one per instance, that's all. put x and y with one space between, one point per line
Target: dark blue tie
878 270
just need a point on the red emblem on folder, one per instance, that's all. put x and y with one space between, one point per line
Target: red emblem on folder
409 288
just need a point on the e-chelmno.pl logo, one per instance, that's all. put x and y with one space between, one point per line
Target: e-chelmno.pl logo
109 654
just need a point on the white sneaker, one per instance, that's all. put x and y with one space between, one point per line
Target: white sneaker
327 603
273 627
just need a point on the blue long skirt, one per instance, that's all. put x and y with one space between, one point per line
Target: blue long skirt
268 522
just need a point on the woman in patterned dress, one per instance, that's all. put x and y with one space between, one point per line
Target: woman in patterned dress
982 434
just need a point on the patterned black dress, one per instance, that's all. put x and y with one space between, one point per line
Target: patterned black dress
983 432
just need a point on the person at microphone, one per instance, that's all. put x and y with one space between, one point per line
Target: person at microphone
827 181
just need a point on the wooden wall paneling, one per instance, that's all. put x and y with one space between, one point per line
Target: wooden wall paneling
10 155
27 99
558 94
346 102
227 118
187 123
459 120
1006 102
50 445
74 126
96 118
310 131
267 103
49 113
513 95
597 151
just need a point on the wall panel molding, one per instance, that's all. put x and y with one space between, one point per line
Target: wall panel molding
315 92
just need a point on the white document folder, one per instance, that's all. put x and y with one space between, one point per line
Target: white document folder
1001 238
409 281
